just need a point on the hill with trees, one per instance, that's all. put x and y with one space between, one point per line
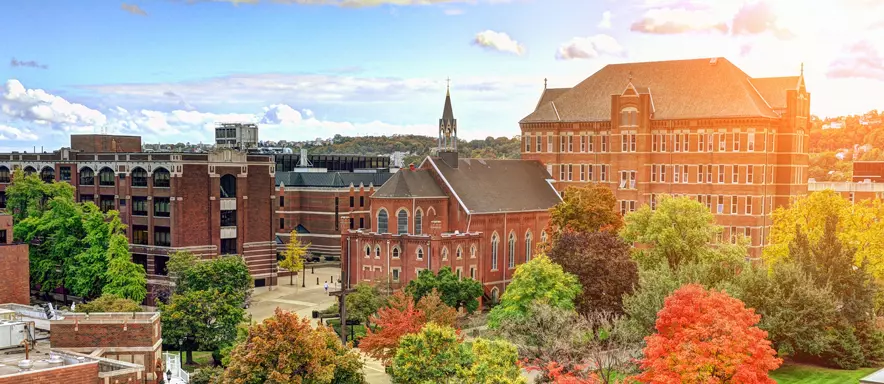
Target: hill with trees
418 146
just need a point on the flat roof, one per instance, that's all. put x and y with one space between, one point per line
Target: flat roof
39 357
875 378
108 317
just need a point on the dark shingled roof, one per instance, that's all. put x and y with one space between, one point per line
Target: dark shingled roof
551 94
488 186
331 179
408 184
773 89
447 111
680 89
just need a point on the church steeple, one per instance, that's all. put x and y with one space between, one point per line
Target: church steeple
448 124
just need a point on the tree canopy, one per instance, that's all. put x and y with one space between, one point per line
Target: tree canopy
586 209
293 255
108 303
538 279
454 291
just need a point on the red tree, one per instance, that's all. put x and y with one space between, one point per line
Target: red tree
707 337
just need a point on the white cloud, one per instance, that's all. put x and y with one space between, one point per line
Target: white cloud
133 9
590 48
40 107
606 20
498 41
666 21
12 133
353 3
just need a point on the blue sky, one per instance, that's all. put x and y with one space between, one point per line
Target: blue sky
168 70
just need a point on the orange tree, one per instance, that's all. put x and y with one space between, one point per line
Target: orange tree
586 209
705 336
286 349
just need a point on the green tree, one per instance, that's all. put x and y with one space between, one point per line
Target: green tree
124 278
109 303
433 355
201 320
365 302
207 375
56 237
28 195
456 293
538 279
585 209
293 256
493 362
227 274
88 272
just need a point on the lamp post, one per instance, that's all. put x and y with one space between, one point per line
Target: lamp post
304 277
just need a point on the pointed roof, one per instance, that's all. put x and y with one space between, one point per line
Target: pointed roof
773 89
697 88
447 112
410 184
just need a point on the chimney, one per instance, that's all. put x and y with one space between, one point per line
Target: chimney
449 157
411 166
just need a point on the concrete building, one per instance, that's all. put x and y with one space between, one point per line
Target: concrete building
236 136
480 217
14 266
700 128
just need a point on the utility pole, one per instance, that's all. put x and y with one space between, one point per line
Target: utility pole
342 305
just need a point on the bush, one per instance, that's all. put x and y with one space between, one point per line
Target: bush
845 350
207 375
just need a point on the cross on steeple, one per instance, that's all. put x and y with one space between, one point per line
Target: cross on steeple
448 85
802 68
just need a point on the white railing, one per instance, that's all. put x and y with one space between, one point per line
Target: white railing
228 204
173 364
846 187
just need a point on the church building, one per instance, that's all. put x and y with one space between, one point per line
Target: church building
481 217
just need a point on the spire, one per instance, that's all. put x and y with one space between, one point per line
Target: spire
802 69
447 112
448 124
544 83
448 87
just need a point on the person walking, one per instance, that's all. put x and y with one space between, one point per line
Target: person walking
326 287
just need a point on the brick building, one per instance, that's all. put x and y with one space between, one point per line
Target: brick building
210 204
461 213
700 128
72 368
14 266
867 183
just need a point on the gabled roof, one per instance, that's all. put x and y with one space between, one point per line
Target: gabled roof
698 88
551 94
773 89
331 179
489 186
410 184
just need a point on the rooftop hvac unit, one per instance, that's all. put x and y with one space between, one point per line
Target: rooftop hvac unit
12 333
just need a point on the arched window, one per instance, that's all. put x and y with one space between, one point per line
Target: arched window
4 175
473 252
47 174
495 242
106 177
29 170
444 253
402 222
228 186
418 222
139 177
459 252
87 176
377 252
528 246
511 256
396 252
367 251
161 178
382 221
543 237
420 253
495 295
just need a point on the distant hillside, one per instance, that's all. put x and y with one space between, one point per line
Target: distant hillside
420 146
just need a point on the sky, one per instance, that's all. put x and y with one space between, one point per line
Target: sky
168 70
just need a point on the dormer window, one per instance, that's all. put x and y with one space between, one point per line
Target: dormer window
629 117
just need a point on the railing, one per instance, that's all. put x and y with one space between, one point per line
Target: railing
173 365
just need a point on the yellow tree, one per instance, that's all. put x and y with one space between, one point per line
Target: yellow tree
588 208
858 226
293 256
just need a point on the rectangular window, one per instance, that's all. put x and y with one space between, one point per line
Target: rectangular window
654 140
282 201
539 146
604 143
750 175
228 218
735 174
5 175
676 176
748 205
750 141
106 203
162 237
589 169
527 143
733 205
624 143
2 199
624 178
570 172
161 207
677 144
720 174
701 142
720 204
549 143
654 173
561 143
139 206
632 143
139 235
685 143
709 173
352 201
582 143
734 235
562 172
663 142
722 142
570 143
590 141
604 172
663 173
473 273
700 173
582 172
64 173
684 174
736 141
160 265
281 223
140 260
228 247
709 202
361 201
361 222
653 201
395 274
631 179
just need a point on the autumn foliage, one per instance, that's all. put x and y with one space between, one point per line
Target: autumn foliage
402 317
559 375
586 209
705 336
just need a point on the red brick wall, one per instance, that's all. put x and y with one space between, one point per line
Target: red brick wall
102 335
14 271
194 213
86 373
105 143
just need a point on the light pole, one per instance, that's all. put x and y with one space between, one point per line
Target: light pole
304 277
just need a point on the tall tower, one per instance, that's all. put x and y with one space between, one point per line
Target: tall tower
448 124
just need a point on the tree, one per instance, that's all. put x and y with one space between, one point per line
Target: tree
286 349
207 375
433 355
89 272
201 320
603 265
455 292
29 196
707 337
493 362
56 236
293 256
109 303
678 230
227 274
538 279
436 311
124 278
399 318
589 208
364 302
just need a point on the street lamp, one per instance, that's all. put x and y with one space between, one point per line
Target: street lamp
304 277
169 375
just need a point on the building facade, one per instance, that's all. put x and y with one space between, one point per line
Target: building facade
14 266
867 183
460 213
700 128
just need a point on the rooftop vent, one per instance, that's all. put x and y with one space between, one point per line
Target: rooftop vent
713 61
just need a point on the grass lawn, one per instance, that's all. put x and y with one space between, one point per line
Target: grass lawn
809 374
201 359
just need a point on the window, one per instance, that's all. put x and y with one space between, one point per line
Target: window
420 253
700 173
161 209
589 168
64 173
684 174
47 174
395 274
228 247
106 177
228 186
604 172
527 143
677 143
631 179
139 177
161 178
590 141
539 143
570 143
653 201
720 204
582 172
473 252
361 201
106 203
228 218
402 222
562 172
720 174
473 273
444 253
418 222
367 251
627 206
748 205
722 142
2 199
629 117
582 143
701 142
663 142
528 246
382 221
511 256
459 253
685 142
361 222
396 252
495 242
87 176
29 170
709 173
604 140
352 223
570 172
624 178
281 223
663 173
562 143
655 139
139 206
676 175
160 265
549 143
139 234
162 237
624 142
750 141
733 205
654 173
736 141
852 197
4 175
88 198
750 177
377 251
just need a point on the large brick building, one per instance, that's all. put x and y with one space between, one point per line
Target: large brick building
14 267
867 182
480 217
700 128
210 204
